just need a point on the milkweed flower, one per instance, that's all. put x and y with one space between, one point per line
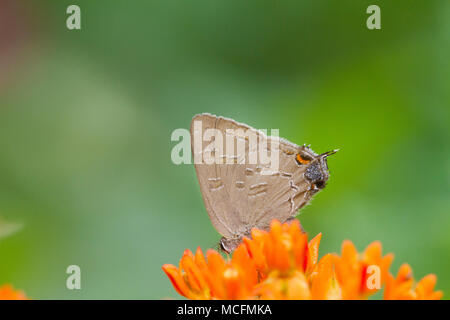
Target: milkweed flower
214 277
7 292
282 264
403 287
354 270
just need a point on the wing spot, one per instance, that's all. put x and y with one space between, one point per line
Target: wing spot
286 174
258 189
240 184
261 193
215 184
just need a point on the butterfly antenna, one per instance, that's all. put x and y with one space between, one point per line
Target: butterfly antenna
328 153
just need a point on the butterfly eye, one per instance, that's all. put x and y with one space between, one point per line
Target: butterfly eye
302 159
320 184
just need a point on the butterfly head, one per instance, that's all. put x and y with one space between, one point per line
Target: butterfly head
316 171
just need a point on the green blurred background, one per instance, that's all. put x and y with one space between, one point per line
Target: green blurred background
86 118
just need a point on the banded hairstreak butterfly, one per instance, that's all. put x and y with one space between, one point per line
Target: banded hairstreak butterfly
239 191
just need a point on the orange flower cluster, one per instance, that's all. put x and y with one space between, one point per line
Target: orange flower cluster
402 287
282 264
7 292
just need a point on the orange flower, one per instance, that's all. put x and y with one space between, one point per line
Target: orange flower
284 260
324 284
282 264
277 287
214 278
361 275
402 287
7 292
283 249
288 264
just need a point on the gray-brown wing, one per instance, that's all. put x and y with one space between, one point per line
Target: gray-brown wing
288 191
239 195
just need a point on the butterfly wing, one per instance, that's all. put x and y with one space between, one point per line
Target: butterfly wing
288 190
239 195
212 179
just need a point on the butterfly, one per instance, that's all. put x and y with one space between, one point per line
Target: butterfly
240 194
